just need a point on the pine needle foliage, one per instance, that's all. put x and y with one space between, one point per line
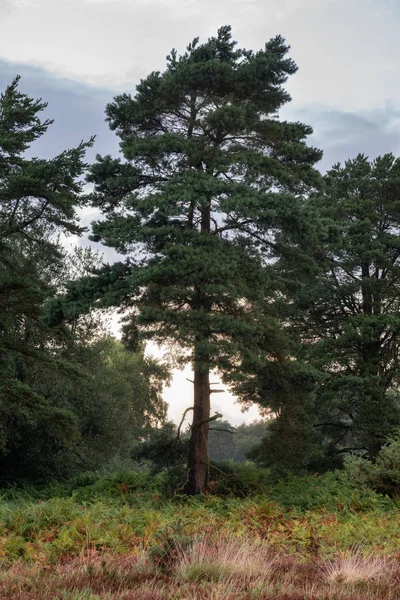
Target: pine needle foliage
208 173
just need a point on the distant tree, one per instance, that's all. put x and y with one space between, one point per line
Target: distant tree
209 172
221 441
247 436
117 400
227 442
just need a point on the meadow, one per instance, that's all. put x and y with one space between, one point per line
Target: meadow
109 536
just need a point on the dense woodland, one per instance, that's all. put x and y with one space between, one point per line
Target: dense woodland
236 253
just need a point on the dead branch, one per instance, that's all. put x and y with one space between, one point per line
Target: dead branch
182 421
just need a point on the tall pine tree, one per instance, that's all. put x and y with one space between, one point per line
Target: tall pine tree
208 173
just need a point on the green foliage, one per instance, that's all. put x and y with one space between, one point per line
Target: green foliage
228 478
182 138
67 398
125 513
338 275
117 400
327 492
84 419
164 454
39 200
62 389
237 252
127 486
354 318
42 438
208 175
226 443
381 473
162 448
285 388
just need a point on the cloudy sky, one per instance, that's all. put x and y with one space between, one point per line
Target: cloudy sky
77 54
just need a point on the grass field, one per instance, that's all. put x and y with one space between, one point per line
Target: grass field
118 537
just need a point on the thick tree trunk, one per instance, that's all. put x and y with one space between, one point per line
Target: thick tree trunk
197 468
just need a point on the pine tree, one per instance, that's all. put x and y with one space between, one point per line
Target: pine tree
38 201
348 302
208 173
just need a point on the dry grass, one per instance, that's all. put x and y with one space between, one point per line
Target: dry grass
225 568
356 567
224 559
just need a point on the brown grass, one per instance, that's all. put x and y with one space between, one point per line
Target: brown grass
356 568
207 569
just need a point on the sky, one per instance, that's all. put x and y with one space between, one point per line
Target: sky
78 54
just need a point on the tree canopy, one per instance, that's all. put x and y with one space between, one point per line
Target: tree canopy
339 276
57 383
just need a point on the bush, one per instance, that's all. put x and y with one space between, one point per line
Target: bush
381 474
329 491
228 478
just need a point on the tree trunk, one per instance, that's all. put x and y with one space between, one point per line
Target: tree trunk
197 468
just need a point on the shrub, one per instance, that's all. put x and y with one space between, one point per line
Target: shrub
381 474
230 478
328 491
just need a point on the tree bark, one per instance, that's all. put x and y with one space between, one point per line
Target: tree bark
197 467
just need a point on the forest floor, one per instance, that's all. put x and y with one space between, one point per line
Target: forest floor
307 539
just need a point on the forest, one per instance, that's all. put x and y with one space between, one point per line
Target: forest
238 256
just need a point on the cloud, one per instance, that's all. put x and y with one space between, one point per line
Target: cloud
346 49
343 135
77 109
5 8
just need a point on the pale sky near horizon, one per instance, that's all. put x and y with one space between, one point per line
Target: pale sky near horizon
77 54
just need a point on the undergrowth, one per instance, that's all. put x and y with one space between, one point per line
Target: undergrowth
93 536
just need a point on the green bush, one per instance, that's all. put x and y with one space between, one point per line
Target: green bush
382 473
228 478
329 491
123 487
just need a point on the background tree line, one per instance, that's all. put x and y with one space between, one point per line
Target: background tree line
235 250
